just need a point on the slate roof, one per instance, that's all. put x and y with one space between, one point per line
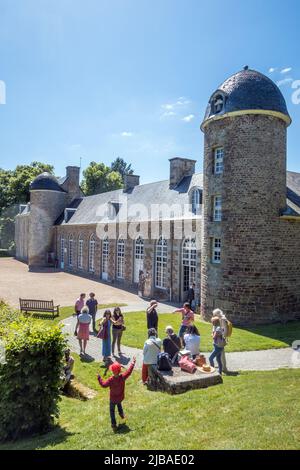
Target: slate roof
249 89
159 193
46 181
89 208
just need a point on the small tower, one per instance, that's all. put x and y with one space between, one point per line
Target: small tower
47 201
244 191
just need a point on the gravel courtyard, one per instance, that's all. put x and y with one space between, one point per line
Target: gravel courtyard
63 288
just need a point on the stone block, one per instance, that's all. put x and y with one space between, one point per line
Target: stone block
177 381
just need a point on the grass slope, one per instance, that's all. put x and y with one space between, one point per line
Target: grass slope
259 410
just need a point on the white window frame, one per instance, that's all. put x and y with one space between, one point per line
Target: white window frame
218 160
189 259
138 256
216 250
161 263
71 251
62 249
196 200
105 252
217 209
120 259
80 252
92 246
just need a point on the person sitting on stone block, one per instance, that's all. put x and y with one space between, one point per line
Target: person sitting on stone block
171 344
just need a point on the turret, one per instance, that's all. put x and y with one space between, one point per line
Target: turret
47 201
244 192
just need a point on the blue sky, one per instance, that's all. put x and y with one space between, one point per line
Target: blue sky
99 79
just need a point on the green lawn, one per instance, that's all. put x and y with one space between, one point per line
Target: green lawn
257 410
254 338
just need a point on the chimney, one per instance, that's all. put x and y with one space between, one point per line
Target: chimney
130 181
72 173
71 183
179 168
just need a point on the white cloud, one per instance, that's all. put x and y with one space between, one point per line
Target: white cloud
272 69
188 118
286 70
168 114
167 106
126 134
285 81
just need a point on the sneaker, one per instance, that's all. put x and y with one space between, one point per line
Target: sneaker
114 427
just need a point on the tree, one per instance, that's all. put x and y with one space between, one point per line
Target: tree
99 178
22 177
14 189
122 167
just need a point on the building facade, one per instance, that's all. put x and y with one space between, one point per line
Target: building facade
233 230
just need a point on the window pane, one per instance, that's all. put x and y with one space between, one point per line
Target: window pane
161 264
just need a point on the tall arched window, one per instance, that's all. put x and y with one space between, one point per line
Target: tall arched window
189 259
120 259
138 258
71 250
80 252
105 248
62 251
196 200
92 244
161 260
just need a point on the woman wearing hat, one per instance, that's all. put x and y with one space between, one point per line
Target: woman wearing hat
82 330
152 316
219 343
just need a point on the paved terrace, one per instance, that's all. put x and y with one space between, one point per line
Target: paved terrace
63 288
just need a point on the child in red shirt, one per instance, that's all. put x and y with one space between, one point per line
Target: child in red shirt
116 383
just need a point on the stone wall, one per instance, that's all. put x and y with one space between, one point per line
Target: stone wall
174 259
22 236
254 283
45 206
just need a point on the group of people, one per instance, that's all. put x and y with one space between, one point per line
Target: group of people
187 340
112 326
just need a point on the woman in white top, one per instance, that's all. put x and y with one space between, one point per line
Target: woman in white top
192 340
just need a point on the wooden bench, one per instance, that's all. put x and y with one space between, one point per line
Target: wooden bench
41 306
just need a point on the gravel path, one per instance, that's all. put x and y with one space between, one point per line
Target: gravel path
269 359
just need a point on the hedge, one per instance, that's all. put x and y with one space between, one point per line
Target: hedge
30 376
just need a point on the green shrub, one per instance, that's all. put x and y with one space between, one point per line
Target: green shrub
30 377
7 316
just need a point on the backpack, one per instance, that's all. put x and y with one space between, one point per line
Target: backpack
164 361
228 331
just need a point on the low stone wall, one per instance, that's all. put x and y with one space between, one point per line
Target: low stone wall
177 381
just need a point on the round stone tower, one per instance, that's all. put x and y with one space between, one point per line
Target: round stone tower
47 201
244 192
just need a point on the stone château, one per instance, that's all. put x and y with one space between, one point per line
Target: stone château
233 230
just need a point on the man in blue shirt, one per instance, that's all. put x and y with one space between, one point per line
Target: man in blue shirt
92 305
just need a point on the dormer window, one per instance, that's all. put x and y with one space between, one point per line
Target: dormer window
218 103
69 211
